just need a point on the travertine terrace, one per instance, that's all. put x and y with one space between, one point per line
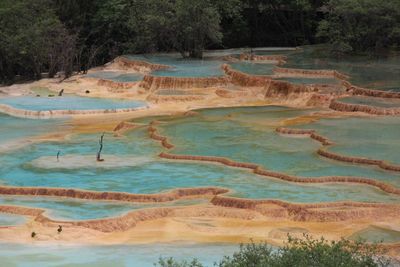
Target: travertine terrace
174 98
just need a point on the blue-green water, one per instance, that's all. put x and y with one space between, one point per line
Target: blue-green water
248 135
13 128
245 134
16 132
68 102
372 101
180 67
254 68
298 80
36 255
71 209
373 137
116 76
377 234
11 219
378 72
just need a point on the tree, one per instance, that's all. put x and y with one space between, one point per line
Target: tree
361 25
299 253
33 40
196 26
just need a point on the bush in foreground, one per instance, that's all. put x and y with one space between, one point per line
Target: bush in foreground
300 253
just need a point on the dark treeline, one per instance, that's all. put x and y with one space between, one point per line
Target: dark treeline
52 36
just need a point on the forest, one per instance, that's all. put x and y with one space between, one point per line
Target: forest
49 37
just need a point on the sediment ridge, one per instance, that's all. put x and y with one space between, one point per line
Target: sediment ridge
174 98
137 65
244 79
114 196
311 133
116 87
227 207
356 90
275 88
348 107
37 114
320 212
358 160
285 177
310 73
155 136
226 93
151 82
279 58
259 170
334 156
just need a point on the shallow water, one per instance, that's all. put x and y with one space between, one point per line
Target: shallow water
377 234
116 76
373 137
297 80
15 132
17 128
250 130
68 102
74 209
371 72
33 255
254 68
249 136
11 219
372 101
182 67
245 134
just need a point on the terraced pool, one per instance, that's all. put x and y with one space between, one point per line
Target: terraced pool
116 76
68 102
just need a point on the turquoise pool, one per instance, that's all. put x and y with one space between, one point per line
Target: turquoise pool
11 219
68 102
248 135
254 68
373 137
102 256
245 134
301 80
377 234
73 209
379 72
372 101
181 67
116 76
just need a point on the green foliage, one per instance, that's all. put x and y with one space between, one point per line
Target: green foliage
33 40
306 252
170 262
361 25
39 36
197 24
